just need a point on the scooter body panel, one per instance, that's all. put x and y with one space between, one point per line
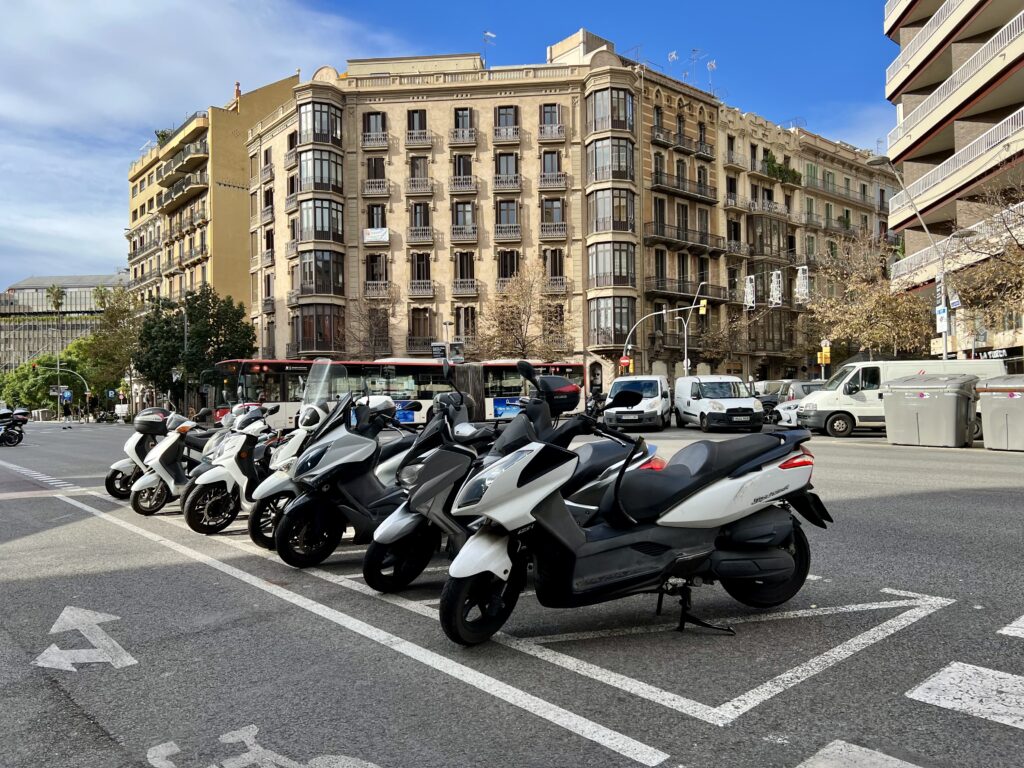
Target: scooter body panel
217 474
279 482
165 461
149 480
484 551
397 525
124 466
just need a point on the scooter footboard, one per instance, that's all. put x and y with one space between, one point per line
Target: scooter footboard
484 551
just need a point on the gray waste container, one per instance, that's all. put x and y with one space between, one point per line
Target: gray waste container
933 409
1002 412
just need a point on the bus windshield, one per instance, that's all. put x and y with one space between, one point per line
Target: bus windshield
838 377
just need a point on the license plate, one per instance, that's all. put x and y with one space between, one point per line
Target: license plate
741 418
629 417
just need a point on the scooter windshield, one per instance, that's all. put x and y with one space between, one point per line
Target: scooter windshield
326 383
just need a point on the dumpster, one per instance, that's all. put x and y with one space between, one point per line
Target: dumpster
932 409
1002 412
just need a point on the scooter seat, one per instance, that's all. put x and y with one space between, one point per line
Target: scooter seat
392 448
595 458
197 440
645 495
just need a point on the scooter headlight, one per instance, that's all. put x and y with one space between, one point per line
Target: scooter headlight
475 489
716 406
410 475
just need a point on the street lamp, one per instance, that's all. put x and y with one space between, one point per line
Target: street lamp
447 324
696 296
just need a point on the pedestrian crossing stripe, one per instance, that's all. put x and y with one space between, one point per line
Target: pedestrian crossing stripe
976 691
841 754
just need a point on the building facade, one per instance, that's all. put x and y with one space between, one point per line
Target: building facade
29 325
188 201
958 87
390 205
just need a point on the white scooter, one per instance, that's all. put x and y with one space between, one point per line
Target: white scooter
167 464
719 511
150 424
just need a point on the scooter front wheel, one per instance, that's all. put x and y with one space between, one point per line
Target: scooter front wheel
392 567
473 608
210 508
768 593
119 484
303 540
263 519
149 501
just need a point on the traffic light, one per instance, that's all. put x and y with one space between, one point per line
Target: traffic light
826 355
703 307
35 367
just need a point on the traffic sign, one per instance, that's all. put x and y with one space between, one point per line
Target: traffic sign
66 395
438 350
941 320
954 299
110 394
625 360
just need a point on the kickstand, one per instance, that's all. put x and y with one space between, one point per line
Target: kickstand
661 599
685 617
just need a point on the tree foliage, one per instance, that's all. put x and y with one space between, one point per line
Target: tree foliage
855 302
525 321
217 330
29 387
115 339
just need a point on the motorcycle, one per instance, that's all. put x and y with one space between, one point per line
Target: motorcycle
168 463
404 543
718 512
11 426
150 424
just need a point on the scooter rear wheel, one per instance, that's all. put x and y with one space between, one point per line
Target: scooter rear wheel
392 567
475 607
263 519
118 484
149 501
768 593
210 508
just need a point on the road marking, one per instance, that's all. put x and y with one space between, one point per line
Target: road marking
1016 629
40 477
977 691
840 754
570 721
105 648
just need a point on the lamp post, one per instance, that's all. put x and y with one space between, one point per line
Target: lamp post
696 296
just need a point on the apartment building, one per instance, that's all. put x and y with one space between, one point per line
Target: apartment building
29 325
389 205
188 200
958 87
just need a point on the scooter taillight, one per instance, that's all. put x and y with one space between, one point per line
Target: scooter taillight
655 462
804 459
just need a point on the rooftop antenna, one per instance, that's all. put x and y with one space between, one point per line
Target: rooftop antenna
712 66
489 38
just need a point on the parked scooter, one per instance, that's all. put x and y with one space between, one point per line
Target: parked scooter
11 424
226 487
168 463
150 425
720 511
404 543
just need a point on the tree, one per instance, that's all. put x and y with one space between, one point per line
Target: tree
29 386
115 339
368 322
526 322
855 303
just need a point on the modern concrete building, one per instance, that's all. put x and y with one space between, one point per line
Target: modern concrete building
188 200
29 325
958 87
389 206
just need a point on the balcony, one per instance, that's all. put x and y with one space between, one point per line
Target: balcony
809 219
419 235
311 234
737 247
417 139
842 227
552 180
172 268
769 207
551 132
376 188
735 161
505 233
268 305
188 158
321 137
463 233
266 173
418 345
695 239
612 225
291 203
267 258
376 236
267 214
465 286
419 186
846 193
502 284
291 248
460 185
765 251
464 338
665 182
609 173
662 136
314 346
291 299
313 290
607 338
421 289
926 44
553 230
462 137
377 289
685 288
184 190
611 280
291 159
704 150
609 123
505 134
321 185
555 284
194 255
507 182
374 140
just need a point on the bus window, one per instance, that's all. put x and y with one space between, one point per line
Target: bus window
294 384
502 381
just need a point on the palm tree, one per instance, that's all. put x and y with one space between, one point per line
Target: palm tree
56 296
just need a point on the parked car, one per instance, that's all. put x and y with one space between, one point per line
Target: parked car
654 410
717 401
768 392
783 411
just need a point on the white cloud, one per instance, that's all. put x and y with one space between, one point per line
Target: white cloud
86 83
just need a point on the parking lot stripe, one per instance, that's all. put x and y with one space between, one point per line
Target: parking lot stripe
841 754
977 691
1016 629
570 721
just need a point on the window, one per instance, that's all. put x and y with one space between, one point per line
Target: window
420 215
135 189
550 114
464 265
142 185
417 167
610 159
419 323
611 319
660 264
506 164
659 319
462 165
506 116
321 220
551 162
416 120
508 263
465 321
376 216
320 169
374 122
268 197
322 272
611 210
682 215
507 212
420 266
267 156
319 122
463 117
551 210
319 327
810 245
610 108
613 264
462 214
870 378
268 239
376 267
554 260
702 132
375 168
702 177
658 117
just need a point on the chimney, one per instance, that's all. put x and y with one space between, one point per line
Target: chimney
238 90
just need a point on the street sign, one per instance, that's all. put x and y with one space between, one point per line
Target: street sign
954 299
941 320
66 395
940 289
438 350
111 394
456 352
625 360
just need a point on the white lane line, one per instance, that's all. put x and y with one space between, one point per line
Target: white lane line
1016 629
841 754
976 691
599 734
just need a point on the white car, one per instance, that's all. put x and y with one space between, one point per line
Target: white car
786 413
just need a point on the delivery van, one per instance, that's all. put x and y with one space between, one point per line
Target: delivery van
712 402
853 396
653 411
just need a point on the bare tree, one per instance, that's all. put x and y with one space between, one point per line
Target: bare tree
525 321
369 322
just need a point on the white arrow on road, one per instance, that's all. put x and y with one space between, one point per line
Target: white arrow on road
105 649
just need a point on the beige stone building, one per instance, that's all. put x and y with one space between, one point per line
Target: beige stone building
958 87
188 201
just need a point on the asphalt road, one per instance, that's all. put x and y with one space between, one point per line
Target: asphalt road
209 649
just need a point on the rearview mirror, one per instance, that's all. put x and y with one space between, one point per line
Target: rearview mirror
414 406
664 395
526 370
625 398
273 409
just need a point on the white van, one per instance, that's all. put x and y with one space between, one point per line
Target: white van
717 401
655 410
853 396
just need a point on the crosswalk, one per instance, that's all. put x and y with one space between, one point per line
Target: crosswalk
40 477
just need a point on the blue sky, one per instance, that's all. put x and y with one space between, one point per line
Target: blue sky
85 83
